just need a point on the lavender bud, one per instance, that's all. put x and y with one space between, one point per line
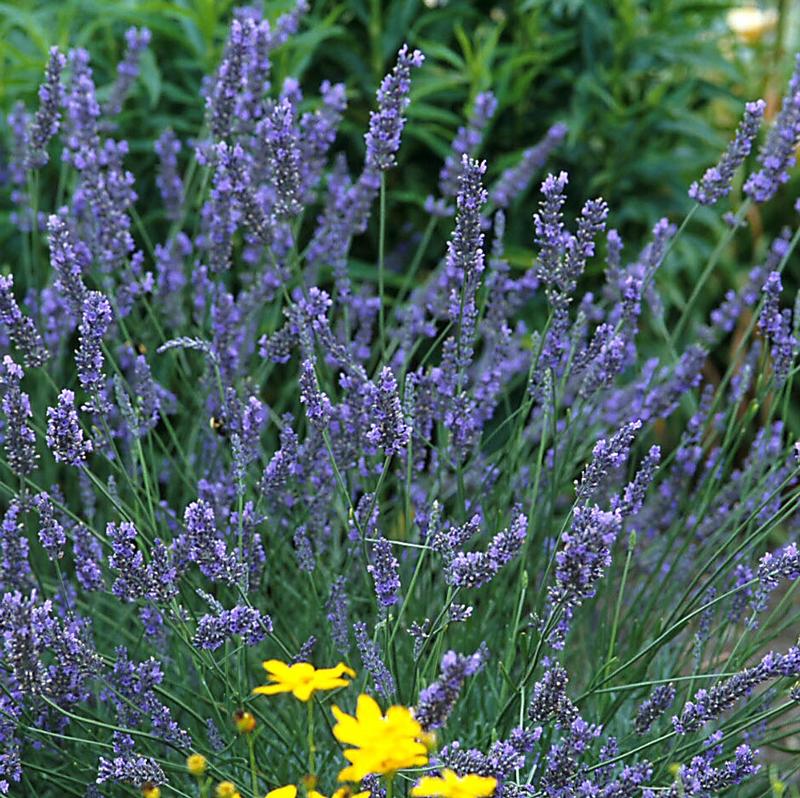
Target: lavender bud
386 124
716 182
64 434
47 121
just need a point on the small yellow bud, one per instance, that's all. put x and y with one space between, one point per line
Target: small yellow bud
227 789
310 781
151 791
245 722
196 764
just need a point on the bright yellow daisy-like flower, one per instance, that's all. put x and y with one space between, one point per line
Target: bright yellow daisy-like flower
302 679
450 785
151 791
384 743
290 791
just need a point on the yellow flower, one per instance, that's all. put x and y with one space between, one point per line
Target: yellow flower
384 743
151 791
290 791
245 722
302 679
449 785
227 789
342 792
196 764
750 23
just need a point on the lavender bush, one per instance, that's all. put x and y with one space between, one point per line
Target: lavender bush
568 566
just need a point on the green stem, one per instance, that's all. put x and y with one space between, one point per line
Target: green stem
312 748
253 770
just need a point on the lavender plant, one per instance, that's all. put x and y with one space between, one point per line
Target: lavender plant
564 566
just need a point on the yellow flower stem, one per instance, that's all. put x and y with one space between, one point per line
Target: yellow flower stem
389 779
253 770
204 785
312 748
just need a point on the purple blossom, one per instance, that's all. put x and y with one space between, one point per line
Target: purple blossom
474 569
437 701
549 700
466 142
67 264
584 556
205 546
64 434
230 77
96 318
21 329
337 609
707 705
385 572
131 769
777 326
47 121
716 182
14 566
168 179
19 440
155 580
386 124
777 154
389 429
318 406
608 456
245 622
785 564
514 181
373 662
136 41
278 132
87 554
51 531
653 708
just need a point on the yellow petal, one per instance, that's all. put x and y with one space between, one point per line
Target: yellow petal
289 791
272 689
276 668
303 691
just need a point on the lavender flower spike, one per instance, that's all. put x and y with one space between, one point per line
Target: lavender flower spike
466 142
136 41
716 182
385 573
96 319
19 439
21 329
777 154
318 406
51 532
64 434
710 704
386 124
47 121
516 179
168 179
389 429
436 701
